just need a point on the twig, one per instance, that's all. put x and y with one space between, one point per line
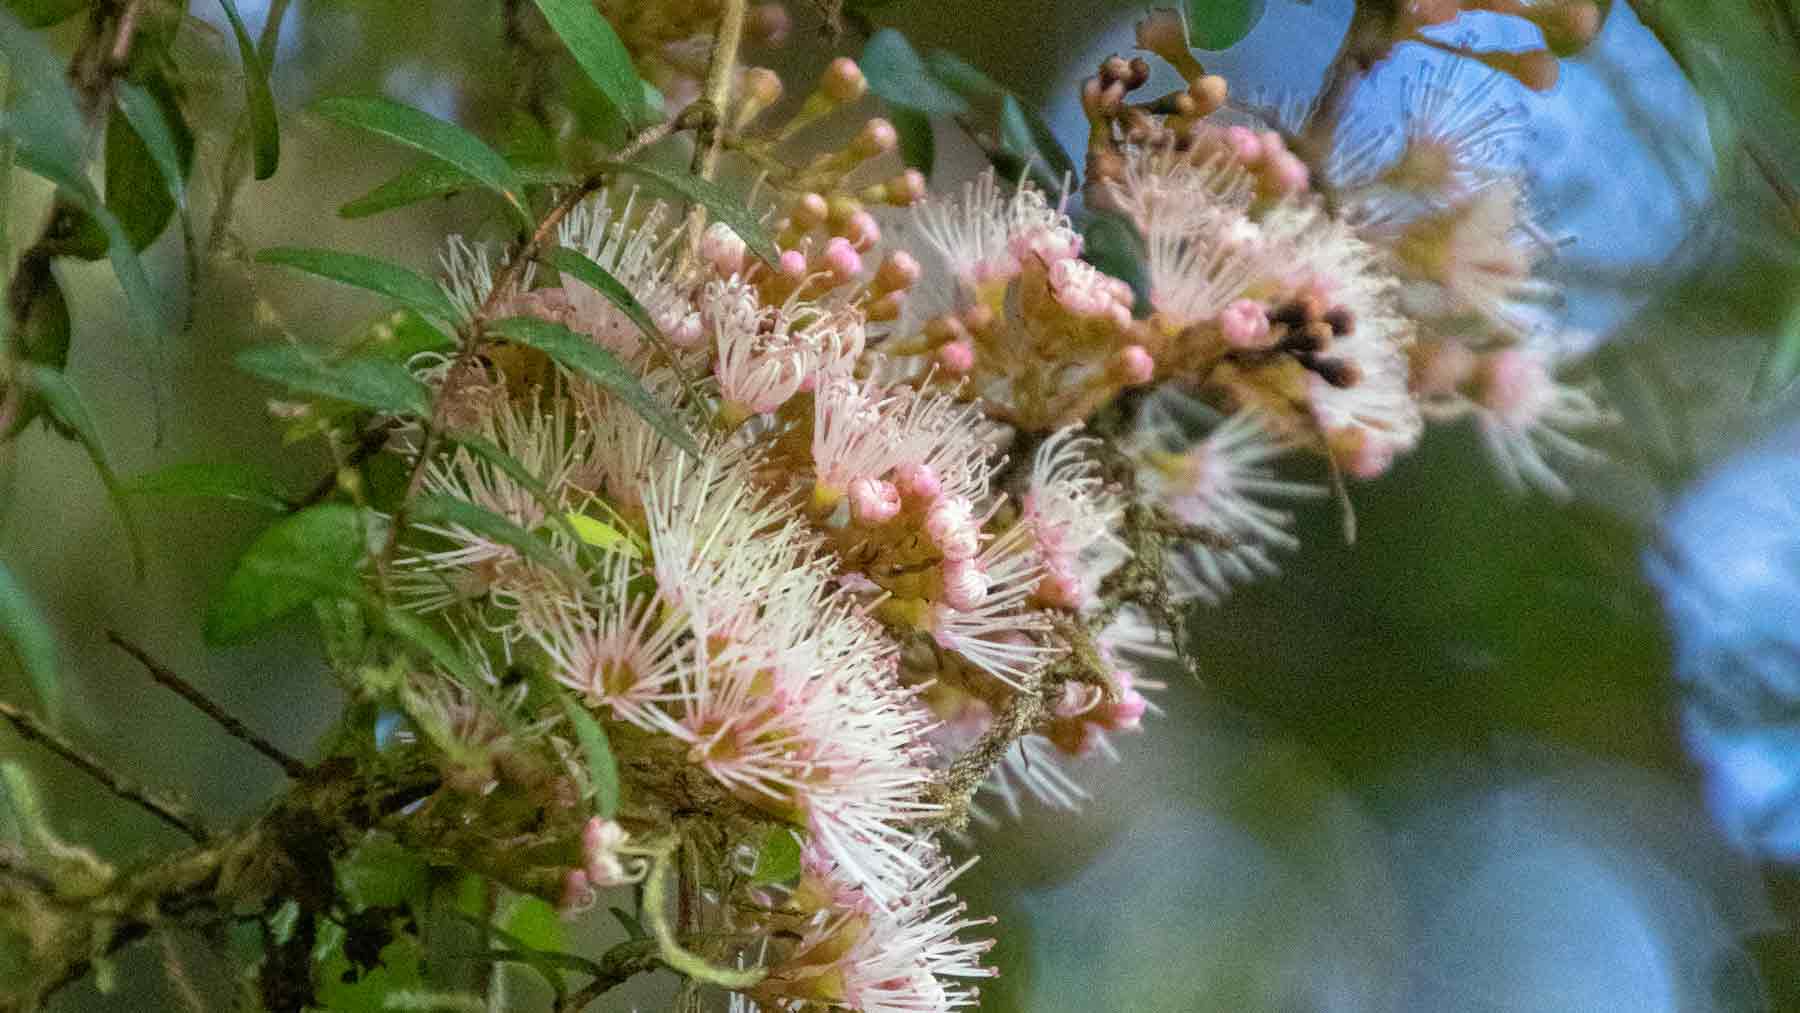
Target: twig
714 97
187 691
619 964
163 809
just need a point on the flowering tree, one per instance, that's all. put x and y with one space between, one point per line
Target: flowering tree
755 512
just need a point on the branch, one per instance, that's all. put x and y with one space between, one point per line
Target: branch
170 812
710 108
187 691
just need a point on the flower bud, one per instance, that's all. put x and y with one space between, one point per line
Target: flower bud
840 260
956 357
918 481
898 272
950 523
873 501
1132 365
965 584
878 137
843 81
1244 325
724 249
769 24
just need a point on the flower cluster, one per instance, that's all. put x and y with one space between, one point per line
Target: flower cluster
911 562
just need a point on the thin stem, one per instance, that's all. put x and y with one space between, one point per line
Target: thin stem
714 98
187 691
232 174
162 808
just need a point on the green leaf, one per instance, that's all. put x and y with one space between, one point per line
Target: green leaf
401 284
1024 133
42 118
398 336
591 274
1221 24
779 859
309 555
70 415
419 634
435 178
265 130
1111 243
601 54
44 13
135 188
603 771
580 355
964 77
716 199
897 74
440 139
366 381
602 535
23 625
1781 365
213 480
450 511
167 148
918 143
382 872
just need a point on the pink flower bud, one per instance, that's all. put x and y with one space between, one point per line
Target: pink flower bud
793 264
899 271
950 523
873 501
723 249
841 260
906 189
769 24
1287 174
761 88
965 584
1243 144
956 358
1245 325
878 137
919 481
1132 365
810 210
862 230
843 81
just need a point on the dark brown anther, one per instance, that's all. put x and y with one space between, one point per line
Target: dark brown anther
1342 321
1291 314
1336 372
1115 69
1140 73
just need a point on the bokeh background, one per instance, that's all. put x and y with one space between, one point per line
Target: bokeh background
1502 753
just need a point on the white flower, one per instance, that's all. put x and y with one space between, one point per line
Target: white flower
1524 414
636 253
986 237
1001 635
1072 513
1217 485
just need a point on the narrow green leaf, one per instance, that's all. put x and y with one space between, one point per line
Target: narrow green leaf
440 139
308 555
145 115
778 861
633 928
918 142
435 178
600 53
591 274
366 381
44 13
962 76
23 625
603 770
70 414
1024 132
716 199
1781 365
419 634
401 284
580 355
602 535
450 511
213 480
72 185
265 129
1221 24
897 74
